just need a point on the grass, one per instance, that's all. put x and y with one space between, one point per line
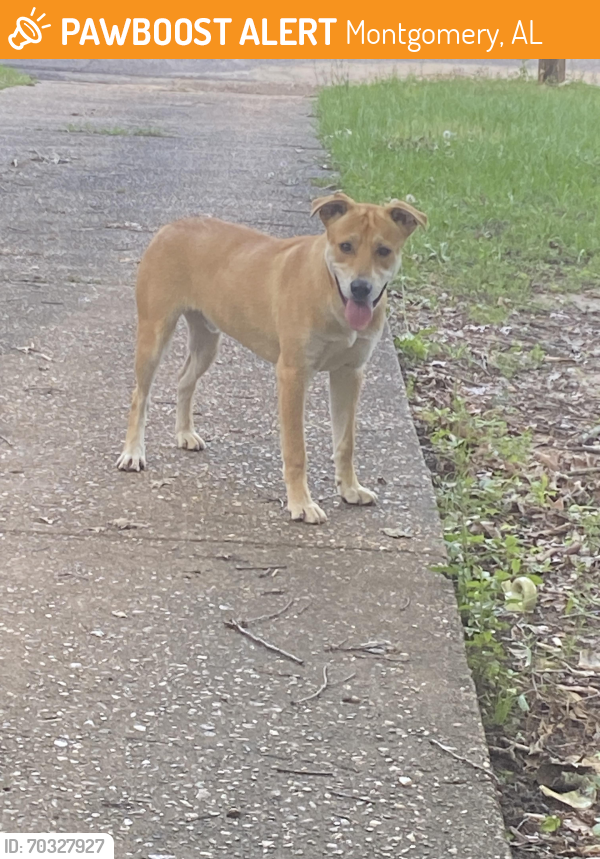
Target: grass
508 172
11 77
115 131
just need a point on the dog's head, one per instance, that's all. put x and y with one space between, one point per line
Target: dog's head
364 249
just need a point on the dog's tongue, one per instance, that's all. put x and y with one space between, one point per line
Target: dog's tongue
358 316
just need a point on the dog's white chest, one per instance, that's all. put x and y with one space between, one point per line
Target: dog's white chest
347 349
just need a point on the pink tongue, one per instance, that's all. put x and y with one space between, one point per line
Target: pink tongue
358 316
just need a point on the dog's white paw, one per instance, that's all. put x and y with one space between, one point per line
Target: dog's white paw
132 460
357 494
190 440
309 512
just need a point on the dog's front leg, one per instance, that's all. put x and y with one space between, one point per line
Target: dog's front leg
291 384
344 391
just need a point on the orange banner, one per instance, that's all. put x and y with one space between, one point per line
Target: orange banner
105 29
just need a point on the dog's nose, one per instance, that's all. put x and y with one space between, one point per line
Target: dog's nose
360 289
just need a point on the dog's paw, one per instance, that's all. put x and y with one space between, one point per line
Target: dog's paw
357 495
190 440
132 460
309 512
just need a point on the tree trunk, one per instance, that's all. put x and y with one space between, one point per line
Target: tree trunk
551 71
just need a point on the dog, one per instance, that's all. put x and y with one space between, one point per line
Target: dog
305 304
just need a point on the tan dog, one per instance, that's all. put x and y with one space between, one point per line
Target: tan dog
305 304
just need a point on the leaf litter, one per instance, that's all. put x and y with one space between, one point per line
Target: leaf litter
511 409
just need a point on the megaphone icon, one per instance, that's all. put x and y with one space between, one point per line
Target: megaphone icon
26 32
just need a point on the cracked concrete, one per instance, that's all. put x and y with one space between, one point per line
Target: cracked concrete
128 705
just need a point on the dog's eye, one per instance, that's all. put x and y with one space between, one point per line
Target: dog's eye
383 251
346 247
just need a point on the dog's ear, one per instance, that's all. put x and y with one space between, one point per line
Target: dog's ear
331 207
406 215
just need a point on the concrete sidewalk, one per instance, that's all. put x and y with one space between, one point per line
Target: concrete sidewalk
128 705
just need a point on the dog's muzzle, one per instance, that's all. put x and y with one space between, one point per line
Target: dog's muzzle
359 306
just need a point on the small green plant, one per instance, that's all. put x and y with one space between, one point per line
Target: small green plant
524 73
542 494
551 823
588 519
537 356
11 77
115 131
517 360
417 347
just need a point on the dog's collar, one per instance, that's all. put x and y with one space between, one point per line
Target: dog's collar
339 288
375 303
378 299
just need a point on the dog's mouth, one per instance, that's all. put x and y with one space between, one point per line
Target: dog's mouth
358 313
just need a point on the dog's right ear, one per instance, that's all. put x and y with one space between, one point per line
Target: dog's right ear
331 207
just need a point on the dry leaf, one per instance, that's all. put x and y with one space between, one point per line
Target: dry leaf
574 824
396 533
127 524
573 798
589 660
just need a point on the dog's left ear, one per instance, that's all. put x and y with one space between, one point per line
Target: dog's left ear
406 216
331 207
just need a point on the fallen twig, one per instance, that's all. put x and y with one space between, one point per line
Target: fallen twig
327 773
272 616
304 608
355 797
553 532
316 694
32 350
374 648
463 760
271 571
9 443
323 687
237 626
570 549
267 568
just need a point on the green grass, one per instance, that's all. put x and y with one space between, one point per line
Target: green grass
115 131
507 171
11 77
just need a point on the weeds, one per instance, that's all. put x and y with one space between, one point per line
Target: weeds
11 77
517 360
476 486
417 347
115 131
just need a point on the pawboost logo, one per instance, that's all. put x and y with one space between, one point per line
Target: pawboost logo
27 31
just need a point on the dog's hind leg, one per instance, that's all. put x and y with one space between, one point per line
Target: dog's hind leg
152 339
203 347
